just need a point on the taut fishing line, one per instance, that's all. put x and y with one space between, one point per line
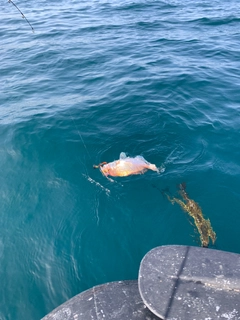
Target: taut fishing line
23 16
81 137
86 175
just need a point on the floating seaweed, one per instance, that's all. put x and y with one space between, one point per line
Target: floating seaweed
193 209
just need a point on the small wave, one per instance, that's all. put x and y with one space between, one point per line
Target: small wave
213 21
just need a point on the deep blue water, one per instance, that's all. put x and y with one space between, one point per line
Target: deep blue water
159 79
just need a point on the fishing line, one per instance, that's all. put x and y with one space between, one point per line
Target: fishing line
87 176
23 16
90 179
80 137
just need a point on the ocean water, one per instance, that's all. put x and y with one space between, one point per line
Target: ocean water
159 79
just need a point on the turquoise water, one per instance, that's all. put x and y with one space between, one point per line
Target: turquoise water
159 79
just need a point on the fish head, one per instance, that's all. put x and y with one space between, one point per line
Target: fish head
105 170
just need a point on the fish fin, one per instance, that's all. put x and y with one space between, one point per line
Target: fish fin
123 155
111 180
141 158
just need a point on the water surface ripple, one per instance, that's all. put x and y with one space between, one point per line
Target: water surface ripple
154 78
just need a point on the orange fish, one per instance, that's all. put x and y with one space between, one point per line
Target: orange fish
126 166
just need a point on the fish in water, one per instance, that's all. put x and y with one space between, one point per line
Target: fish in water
126 166
193 209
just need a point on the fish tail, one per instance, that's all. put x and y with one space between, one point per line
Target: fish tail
153 167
